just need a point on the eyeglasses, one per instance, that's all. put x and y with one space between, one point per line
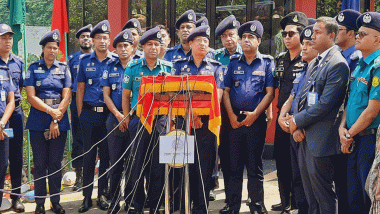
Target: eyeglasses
290 33
361 34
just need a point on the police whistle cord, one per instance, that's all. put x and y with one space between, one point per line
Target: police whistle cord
117 126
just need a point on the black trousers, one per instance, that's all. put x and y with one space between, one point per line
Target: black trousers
77 145
224 148
16 122
281 154
246 149
93 124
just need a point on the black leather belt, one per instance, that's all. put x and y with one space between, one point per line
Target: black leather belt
366 132
98 109
51 102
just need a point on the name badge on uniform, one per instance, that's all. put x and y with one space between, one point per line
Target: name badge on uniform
238 72
90 81
3 98
38 83
91 69
114 75
114 86
39 71
312 98
258 73
18 71
237 83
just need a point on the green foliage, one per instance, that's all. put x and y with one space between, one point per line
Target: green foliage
328 8
377 6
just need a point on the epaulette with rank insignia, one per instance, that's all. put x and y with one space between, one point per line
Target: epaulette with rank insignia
282 54
267 56
35 62
167 63
171 49
214 61
356 55
19 58
134 62
182 59
376 64
219 51
84 55
235 56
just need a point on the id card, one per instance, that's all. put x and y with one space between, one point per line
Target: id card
3 97
312 98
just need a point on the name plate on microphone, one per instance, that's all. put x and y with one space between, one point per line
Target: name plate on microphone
177 149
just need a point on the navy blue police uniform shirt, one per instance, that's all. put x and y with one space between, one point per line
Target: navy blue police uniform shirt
6 86
73 66
208 66
176 53
90 71
113 78
248 82
48 84
14 68
352 56
298 82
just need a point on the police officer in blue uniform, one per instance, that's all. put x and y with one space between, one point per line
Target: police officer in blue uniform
93 112
346 36
135 27
85 43
112 91
198 63
7 100
14 66
165 37
288 65
143 143
289 107
249 90
227 30
361 117
200 22
48 88
185 25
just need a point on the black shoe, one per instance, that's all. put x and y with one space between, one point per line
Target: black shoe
113 209
277 207
57 208
86 205
259 207
40 209
79 180
102 202
227 210
18 206
286 210
248 201
212 195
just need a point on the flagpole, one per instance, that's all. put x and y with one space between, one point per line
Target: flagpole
69 112
25 69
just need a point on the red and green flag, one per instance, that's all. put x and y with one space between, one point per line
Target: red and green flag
60 22
16 20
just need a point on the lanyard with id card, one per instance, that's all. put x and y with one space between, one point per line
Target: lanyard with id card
312 97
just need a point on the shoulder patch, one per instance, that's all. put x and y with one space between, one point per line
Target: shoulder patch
167 63
235 56
356 55
267 56
219 51
376 63
134 62
214 61
84 55
280 55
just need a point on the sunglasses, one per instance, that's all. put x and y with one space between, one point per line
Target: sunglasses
290 33
361 34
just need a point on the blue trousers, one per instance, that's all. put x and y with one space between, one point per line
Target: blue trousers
246 149
47 158
4 153
117 145
358 166
144 160
16 122
299 193
77 145
94 125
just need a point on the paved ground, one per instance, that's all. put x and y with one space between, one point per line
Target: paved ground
71 202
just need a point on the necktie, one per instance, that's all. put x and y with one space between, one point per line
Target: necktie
307 86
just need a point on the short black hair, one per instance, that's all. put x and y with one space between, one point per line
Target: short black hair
331 24
300 29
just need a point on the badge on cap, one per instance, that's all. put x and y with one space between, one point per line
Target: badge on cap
307 32
190 16
341 17
253 28
55 36
367 18
234 23
105 74
114 86
4 27
135 24
125 35
104 27
208 31
295 19
159 35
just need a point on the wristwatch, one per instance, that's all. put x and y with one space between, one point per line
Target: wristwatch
55 121
2 124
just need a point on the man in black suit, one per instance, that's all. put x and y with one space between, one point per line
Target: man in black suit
317 117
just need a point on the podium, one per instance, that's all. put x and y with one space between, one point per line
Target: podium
178 96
